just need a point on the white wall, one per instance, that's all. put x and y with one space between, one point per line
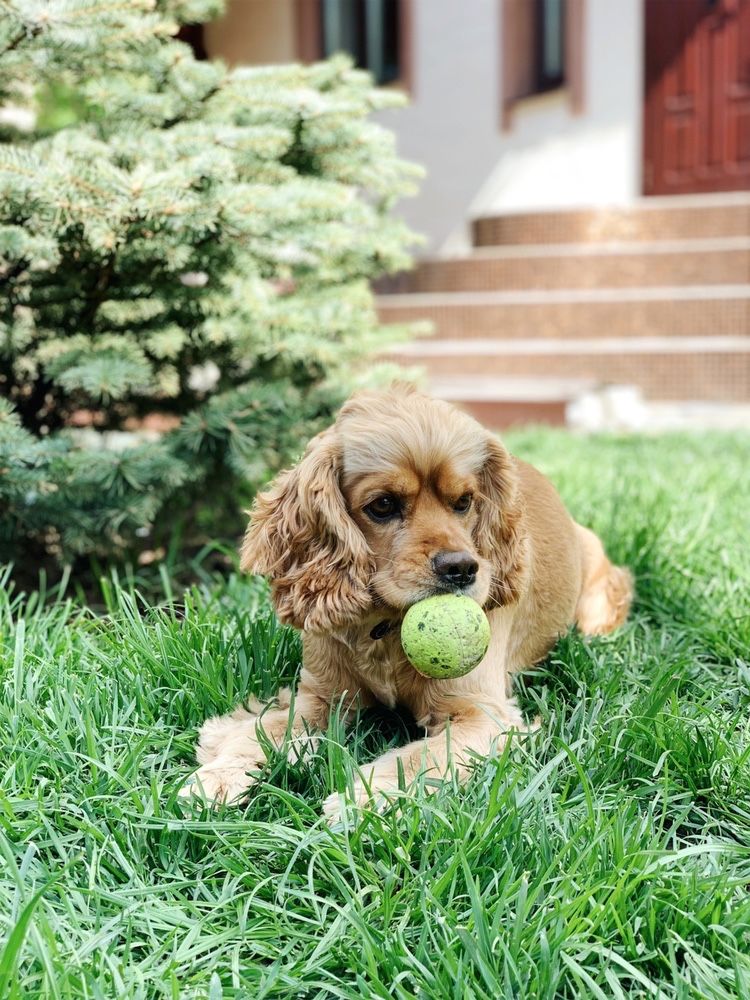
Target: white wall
549 158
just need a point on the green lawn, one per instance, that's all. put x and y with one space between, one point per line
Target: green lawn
607 856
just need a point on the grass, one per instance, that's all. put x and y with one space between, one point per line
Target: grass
608 856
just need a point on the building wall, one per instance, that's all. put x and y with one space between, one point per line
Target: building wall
549 158
253 32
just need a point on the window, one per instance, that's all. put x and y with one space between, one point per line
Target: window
549 48
542 44
370 30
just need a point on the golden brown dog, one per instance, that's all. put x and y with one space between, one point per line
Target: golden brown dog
404 497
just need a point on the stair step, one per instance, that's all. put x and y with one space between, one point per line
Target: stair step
510 389
465 348
500 402
592 312
669 368
655 296
724 260
503 413
651 219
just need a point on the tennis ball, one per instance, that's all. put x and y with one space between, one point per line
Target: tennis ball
445 636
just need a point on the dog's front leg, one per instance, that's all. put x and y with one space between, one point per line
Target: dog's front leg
464 717
232 747
471 729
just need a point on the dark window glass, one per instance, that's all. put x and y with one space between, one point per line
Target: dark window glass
549 32
368 30
193 35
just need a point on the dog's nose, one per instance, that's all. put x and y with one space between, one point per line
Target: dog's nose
459 569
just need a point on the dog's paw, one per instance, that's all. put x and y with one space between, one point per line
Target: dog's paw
217 784
334 807
361 797
217 736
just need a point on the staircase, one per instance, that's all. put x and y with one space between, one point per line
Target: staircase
550 305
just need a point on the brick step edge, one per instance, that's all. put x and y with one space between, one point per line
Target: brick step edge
710 375
573 269
649 219
507 316
566 296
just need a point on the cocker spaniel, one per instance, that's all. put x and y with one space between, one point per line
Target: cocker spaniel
402 498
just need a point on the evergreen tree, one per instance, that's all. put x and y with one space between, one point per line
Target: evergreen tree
175 239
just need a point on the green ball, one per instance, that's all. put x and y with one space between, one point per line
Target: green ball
445 636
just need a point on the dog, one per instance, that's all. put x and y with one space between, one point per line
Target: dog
404 497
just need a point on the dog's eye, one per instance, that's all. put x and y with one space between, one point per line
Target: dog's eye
463 503
383 508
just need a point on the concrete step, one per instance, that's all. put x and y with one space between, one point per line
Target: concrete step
585 406
668 368
686 217
499 402
722 260
705 310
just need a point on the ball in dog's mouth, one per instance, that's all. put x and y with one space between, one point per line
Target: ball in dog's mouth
445 636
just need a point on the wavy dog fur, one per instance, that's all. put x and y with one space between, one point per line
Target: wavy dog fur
303 538
337 571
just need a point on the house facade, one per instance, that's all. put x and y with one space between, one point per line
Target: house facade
586 201
519 105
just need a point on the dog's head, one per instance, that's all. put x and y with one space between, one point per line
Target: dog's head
404 497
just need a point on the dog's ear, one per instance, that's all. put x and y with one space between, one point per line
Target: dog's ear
301 536
499 533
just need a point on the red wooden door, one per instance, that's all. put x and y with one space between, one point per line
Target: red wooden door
697 108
